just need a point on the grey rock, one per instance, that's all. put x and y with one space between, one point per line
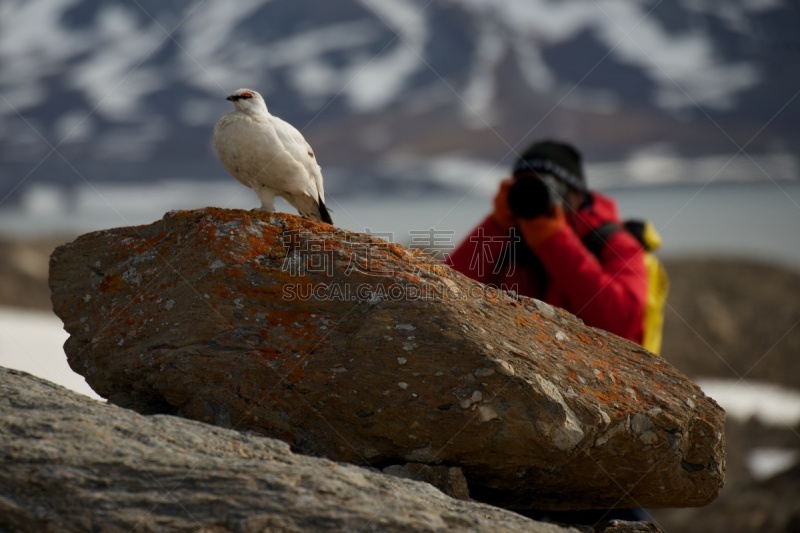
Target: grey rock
70 463
448 479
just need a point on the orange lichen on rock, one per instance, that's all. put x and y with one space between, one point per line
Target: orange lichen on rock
342 342
111 283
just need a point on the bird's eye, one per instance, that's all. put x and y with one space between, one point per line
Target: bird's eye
246 95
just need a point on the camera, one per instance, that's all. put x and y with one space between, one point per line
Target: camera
533 195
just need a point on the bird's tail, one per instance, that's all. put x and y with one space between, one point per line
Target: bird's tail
324 215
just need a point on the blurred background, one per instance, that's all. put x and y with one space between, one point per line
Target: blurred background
686 112
415 108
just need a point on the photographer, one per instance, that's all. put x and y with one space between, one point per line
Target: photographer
535 242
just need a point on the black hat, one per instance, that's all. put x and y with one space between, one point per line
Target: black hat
556 158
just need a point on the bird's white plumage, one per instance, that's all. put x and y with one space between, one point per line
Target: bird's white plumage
270 156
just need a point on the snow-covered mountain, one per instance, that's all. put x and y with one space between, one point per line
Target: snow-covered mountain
389 91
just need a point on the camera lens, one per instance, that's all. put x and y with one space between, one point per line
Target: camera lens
529 197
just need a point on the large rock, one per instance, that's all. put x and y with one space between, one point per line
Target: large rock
70 463
362 351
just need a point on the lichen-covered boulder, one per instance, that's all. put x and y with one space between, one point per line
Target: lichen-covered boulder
347 346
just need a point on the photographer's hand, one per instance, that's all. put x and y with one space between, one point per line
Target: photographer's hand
502 213
535 231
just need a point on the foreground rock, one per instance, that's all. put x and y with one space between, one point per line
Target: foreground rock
355 349
70 463
749 501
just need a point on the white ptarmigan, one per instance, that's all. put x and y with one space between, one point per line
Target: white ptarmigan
270 156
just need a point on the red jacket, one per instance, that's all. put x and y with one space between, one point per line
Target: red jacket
608 292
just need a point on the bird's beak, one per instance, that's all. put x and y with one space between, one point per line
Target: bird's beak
232 98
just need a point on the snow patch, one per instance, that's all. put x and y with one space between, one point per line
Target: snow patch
32 341
769 403
765 463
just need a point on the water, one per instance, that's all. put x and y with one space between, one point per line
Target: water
759 220
750 220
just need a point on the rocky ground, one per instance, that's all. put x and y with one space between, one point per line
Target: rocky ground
23 271
729 319
738 320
